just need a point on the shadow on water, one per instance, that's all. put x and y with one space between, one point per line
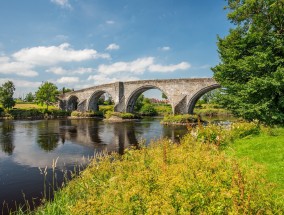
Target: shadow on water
27 146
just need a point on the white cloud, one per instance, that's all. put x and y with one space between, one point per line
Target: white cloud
113 46
169 68
61 71
51 55
140 66
110 22
57 71
166 48
62 3
21 83
104 79
18 68
68 80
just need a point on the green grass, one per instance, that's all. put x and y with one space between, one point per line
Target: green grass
183 118
266 149
211 110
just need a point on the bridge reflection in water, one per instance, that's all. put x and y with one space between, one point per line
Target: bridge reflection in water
115 137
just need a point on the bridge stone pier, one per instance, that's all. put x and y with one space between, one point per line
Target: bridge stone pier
182 94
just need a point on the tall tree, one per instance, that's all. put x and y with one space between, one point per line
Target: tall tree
252 63
29 97
47 94
6 94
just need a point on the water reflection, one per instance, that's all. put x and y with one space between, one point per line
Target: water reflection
6 137
47 139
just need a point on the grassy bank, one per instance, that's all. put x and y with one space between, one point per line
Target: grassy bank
200 175
211 110
267 149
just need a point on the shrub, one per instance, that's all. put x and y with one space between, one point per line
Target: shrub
106 108
148 110
185 118
86 114
123 115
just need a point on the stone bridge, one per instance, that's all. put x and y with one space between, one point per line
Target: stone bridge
182 94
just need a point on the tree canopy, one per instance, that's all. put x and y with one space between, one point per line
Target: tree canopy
47 94
6 94
251 67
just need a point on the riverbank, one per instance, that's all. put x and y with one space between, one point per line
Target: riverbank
199 175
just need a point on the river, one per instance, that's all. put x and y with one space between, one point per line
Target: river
28 147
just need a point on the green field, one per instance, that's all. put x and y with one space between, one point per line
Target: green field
266 149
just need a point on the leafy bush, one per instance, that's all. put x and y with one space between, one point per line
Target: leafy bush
37 113
244 129
86 114
122 115
163 109
148 110
220 136
185 118
106 108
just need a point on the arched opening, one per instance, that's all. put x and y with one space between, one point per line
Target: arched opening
198 95
99 99
72 103
148 100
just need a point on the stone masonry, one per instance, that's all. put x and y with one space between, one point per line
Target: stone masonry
182 94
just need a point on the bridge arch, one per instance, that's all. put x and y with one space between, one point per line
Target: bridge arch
196 96
130 102
72 103
94 99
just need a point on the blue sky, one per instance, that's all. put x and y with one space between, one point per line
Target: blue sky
82 43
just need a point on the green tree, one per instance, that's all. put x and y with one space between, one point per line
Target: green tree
29 97
139 103
164 96
65 90
251 69
47 94
6 94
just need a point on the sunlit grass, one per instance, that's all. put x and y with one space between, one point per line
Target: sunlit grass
266 149
33 105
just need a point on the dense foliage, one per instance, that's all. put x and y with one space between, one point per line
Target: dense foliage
6 94
252 63
180 119
47 94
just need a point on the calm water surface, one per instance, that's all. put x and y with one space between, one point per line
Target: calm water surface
26 146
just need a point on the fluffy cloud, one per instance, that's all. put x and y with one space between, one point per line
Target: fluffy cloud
169 68
140 66
112 46
68 80
62 3
61 71
104 79
18 68
21 83
51 55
